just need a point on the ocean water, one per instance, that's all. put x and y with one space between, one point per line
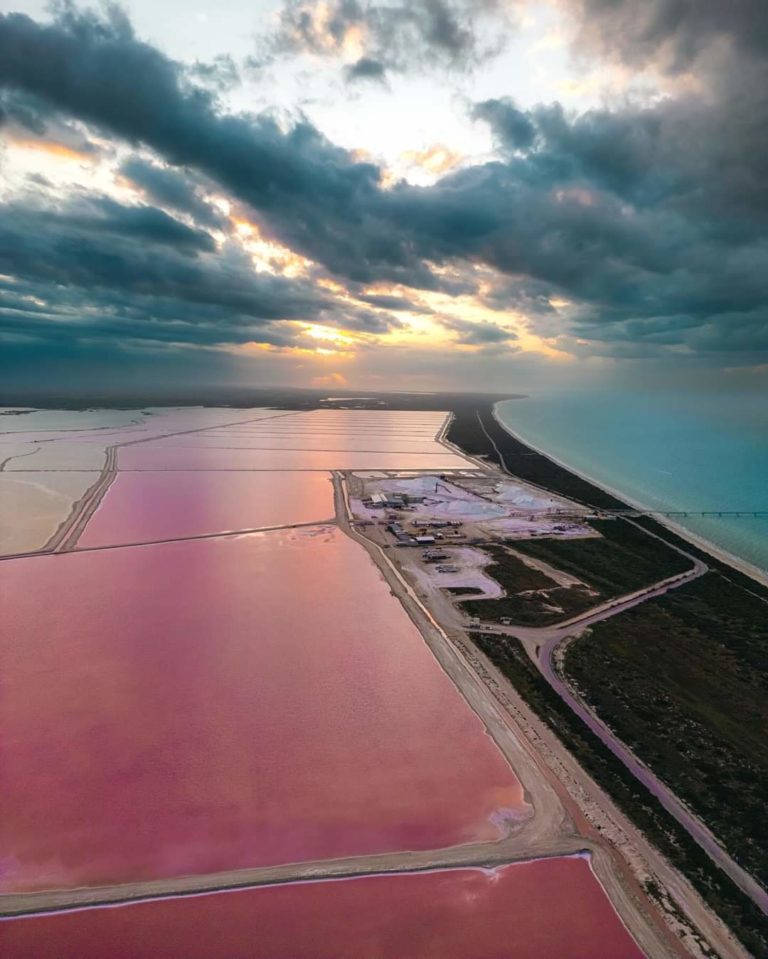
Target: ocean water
676 451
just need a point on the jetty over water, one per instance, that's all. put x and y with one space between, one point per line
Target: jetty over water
634 513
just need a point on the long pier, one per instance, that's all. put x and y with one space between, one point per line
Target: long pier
631 513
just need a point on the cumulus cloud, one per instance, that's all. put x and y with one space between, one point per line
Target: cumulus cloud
512 128
307 189
393 36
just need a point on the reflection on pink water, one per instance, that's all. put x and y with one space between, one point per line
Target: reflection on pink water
551 909
337 442
215 704
141 507
156 454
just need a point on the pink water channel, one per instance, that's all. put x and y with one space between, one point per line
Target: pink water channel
549 909
212 704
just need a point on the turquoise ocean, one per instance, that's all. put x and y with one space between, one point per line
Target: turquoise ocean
689 451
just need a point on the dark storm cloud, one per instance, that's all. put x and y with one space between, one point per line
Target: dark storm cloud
116 321
69 280
478 334
171 188
27 111
66 251
513 129
396 36
707 152
676 32
366 68
361 321
637 216
388 302
524 295
101 213
22 115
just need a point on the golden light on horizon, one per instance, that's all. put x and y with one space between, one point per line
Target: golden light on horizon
330 379
469 309
319 353
420 328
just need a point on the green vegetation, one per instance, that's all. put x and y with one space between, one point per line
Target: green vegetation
683 680
743 917
533 599
532 610
512 573
623 560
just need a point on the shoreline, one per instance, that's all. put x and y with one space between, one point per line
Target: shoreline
717 552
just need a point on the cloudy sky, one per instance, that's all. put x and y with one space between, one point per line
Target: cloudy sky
418 194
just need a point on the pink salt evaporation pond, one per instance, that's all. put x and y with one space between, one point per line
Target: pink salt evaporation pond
146 507
162 455
548 909
213 704
328 442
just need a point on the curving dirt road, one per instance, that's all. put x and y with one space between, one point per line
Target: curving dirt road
545 659
542 645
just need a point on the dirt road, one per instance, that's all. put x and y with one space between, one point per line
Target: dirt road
67 535
542 645
481 854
